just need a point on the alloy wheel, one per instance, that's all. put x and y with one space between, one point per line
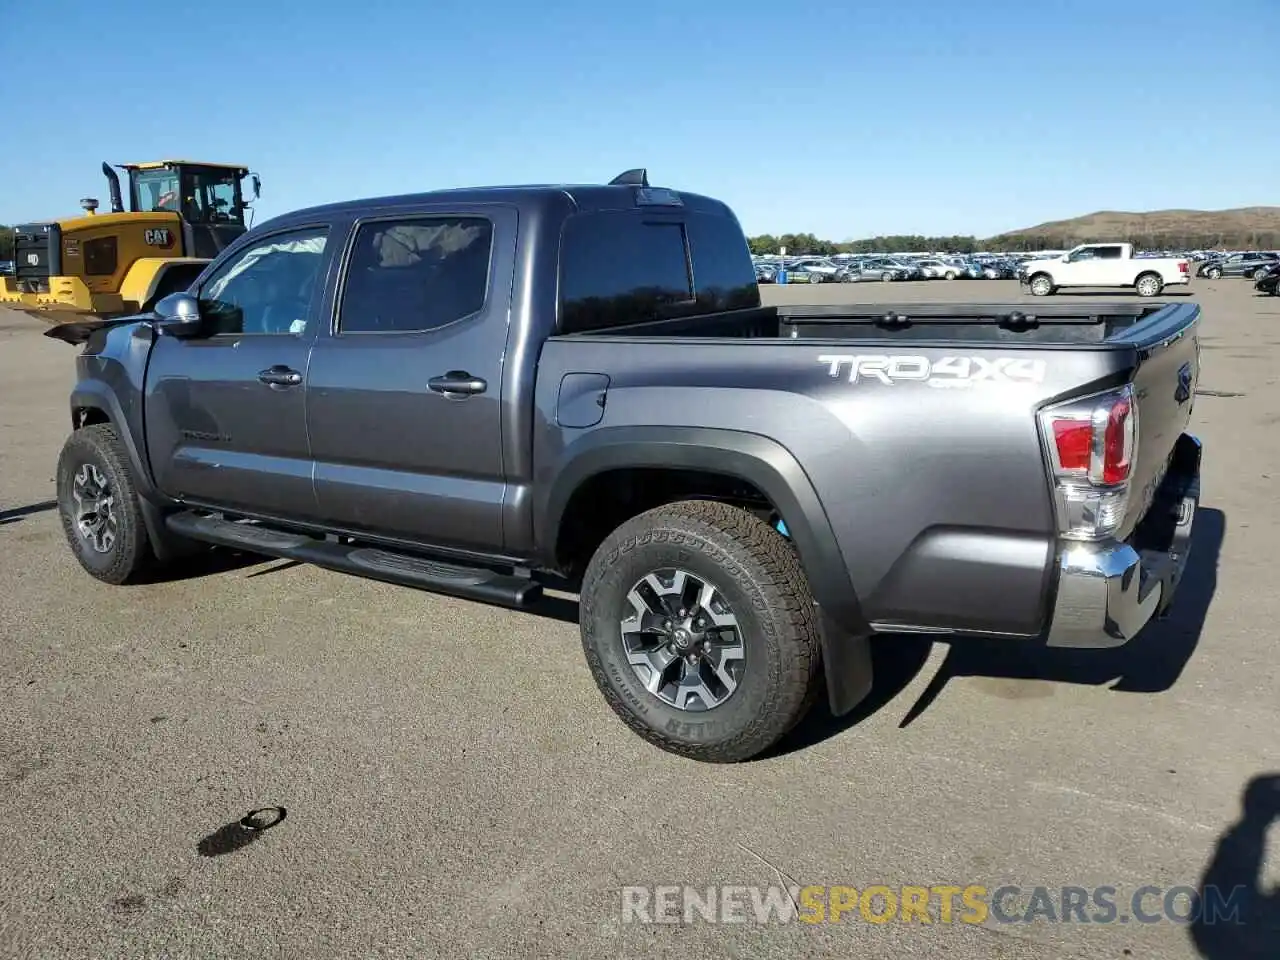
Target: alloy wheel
683 640
94 510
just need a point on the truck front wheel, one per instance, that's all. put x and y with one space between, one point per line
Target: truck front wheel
1041 285
699 629
98 504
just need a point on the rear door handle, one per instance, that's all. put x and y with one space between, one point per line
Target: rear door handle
457 383
280 376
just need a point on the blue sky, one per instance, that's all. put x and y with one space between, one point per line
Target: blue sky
843 119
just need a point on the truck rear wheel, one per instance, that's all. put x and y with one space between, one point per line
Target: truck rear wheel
699 629
1149 285
98 504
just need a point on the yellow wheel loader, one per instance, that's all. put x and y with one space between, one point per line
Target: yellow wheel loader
181 214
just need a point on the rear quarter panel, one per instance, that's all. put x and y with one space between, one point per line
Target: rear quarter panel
936 490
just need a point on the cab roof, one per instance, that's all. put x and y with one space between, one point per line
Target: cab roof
161 164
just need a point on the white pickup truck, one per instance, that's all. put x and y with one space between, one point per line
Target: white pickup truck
1104 265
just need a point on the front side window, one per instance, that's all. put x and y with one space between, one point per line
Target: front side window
268 287
411 276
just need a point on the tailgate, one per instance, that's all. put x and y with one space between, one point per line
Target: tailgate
1164 385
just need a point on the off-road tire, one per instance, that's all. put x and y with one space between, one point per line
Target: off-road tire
130 554
760 577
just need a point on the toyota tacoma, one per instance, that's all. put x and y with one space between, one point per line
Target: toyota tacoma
488 392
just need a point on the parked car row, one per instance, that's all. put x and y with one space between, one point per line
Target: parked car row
885 269
855 268
1251 264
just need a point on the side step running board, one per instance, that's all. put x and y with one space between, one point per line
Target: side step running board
472 583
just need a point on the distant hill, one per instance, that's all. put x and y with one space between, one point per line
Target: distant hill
1241 228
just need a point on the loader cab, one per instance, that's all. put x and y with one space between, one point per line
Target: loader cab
208 196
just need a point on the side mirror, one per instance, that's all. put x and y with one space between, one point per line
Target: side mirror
178 315
257 187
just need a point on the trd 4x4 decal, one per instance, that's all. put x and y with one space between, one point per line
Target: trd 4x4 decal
943 372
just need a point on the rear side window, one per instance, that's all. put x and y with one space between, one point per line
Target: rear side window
618 268
414 275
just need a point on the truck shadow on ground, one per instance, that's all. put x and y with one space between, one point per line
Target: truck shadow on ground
211 563
1238 919
1112 293
18 513
1149 664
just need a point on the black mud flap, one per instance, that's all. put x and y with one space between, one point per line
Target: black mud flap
846 661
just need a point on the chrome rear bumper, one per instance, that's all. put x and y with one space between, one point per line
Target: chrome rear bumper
1107 592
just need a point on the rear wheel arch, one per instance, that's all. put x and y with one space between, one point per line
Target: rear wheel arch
756 462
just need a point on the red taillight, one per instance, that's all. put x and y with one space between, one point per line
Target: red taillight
1074 438
1182 266
1095 438
1117 444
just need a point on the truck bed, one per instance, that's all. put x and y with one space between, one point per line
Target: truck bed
918 425
1118 325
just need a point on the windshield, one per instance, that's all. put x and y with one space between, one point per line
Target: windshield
156 190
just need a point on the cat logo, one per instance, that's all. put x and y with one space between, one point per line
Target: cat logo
159 237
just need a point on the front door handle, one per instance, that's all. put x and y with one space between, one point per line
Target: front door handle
457 383
280 376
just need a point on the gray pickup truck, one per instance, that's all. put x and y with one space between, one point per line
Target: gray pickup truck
486 392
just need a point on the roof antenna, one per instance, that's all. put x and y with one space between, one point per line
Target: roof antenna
639 177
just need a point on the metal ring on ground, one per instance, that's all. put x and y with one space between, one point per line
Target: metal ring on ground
252 820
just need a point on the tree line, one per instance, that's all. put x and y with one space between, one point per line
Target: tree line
808 244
